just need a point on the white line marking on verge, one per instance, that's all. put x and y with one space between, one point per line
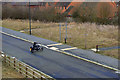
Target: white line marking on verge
55 44
69 48
95 50
22 31
100 64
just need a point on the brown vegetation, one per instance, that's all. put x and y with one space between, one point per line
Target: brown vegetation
100 13
9 72
22 12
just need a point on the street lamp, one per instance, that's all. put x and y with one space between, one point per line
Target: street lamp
29 18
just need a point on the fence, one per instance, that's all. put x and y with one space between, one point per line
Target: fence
26 70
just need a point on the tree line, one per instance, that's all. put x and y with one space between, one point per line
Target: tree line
88 12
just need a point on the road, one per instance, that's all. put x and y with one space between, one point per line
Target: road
54 63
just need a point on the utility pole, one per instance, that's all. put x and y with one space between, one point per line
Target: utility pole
29 18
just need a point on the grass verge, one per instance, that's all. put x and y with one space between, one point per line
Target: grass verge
9 72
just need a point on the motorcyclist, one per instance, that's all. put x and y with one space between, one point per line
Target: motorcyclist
35 45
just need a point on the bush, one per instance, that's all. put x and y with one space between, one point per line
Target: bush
97 14
22 12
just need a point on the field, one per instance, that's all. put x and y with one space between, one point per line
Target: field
81 35
9 72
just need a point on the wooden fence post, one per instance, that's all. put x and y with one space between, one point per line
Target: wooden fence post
19 67
33 75
5 57
9 60
14 63
26 71
41 78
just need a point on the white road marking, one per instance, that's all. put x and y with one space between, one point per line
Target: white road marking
95 50
55 44
22 31
69 48
53 48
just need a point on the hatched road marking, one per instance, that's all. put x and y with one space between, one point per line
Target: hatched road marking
55 44
61 51
69 48
53 48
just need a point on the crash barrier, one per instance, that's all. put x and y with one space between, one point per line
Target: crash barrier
24 69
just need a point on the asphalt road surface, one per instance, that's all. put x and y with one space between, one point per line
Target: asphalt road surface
53 63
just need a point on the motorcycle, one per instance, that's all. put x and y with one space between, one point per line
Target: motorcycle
38 47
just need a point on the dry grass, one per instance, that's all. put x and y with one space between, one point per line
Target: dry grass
112 53
9 72
96 35
24 24
104 35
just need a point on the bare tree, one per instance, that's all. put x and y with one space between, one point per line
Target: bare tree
105 10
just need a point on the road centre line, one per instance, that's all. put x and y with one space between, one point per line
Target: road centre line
61 51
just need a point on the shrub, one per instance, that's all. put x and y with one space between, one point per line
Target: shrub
22 12
99 13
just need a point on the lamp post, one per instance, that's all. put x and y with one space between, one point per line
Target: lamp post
29 18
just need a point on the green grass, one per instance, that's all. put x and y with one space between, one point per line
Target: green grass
104 35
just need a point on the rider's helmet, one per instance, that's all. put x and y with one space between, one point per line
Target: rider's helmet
35 43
